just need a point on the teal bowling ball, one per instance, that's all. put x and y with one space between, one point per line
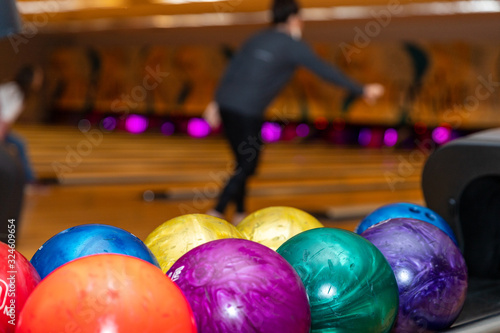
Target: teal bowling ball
350 285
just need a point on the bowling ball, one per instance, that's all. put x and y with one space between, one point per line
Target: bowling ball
406 210
18 278
350 284
274 225
177 236
87 240
107 293
430 271
236 285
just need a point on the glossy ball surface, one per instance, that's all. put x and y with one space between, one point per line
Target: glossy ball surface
107 293
405 210
177 236
236 285
273 226
430 271
85 240
18 279
350 284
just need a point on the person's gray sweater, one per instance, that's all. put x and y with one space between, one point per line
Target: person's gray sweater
264 65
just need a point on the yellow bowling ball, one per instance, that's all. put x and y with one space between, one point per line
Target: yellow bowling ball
275 225
177 236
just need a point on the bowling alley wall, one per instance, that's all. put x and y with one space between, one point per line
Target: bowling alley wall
436 71
433 83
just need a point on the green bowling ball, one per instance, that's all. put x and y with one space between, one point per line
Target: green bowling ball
350 284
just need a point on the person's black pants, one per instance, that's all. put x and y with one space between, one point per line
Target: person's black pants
244 136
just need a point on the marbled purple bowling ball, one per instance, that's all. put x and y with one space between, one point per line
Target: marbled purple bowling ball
236 285
430 271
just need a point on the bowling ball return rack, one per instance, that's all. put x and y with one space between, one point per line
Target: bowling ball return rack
461 182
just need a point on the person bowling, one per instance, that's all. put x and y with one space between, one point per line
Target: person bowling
255 76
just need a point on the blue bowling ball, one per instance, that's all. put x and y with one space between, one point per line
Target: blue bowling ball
85 240
405 210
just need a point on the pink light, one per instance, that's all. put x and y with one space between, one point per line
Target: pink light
390 137
365 137
302 130
108 123
168 128
441 135
271 132
198 128
136 124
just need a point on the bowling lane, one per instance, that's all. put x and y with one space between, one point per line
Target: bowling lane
107 185
82 158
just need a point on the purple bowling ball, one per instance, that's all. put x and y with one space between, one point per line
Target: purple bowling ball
236 285
430 271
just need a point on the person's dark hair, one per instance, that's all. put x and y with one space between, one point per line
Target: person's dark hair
283 9
24 78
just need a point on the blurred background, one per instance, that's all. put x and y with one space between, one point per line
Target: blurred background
433 57
126 83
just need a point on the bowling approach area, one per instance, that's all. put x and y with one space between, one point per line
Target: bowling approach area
141 196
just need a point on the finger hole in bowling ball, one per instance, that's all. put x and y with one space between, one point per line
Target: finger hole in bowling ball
414 210
430 216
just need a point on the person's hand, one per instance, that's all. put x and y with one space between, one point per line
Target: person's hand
212 115
372 92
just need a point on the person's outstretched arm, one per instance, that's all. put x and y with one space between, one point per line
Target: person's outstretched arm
303 55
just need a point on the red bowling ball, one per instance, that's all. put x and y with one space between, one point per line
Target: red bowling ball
107 293
18 278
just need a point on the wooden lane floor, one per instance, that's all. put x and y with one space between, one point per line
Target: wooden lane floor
105 177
